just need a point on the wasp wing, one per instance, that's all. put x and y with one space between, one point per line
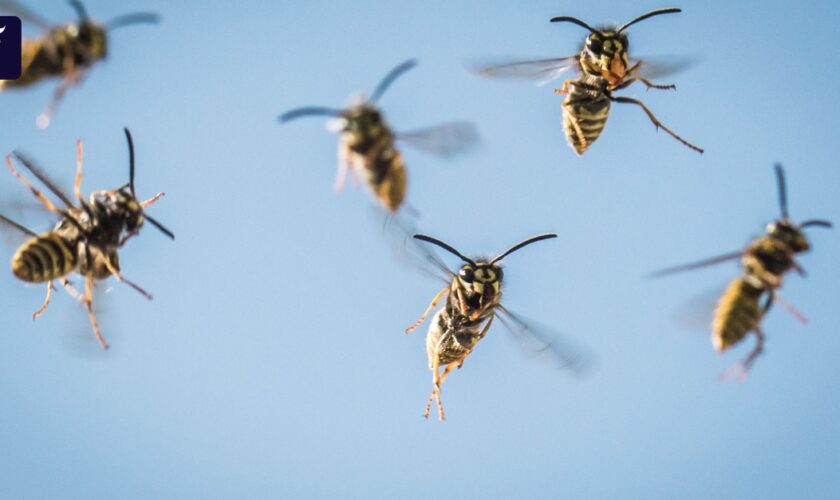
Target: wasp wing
16 9
45 180
446 140
661 66
411 252
540 340
540 70
698 265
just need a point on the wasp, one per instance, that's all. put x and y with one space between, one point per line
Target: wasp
86 237
66 51
765 262
367 144
603 66
473 299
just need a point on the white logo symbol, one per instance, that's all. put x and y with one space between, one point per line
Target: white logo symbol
1 32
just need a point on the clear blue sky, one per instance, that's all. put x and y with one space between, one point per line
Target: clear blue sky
272 361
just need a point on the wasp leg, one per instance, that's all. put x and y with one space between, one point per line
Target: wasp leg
43 120
77 185
89 306
145 204
652 85
116 273
38 194
480 336
428 310
655 121
46 301
436 391
69 288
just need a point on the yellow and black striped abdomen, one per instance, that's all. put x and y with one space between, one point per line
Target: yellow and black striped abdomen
387 178
43 258
738 312
584 118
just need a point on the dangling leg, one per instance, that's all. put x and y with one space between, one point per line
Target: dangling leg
652 85
89 306
436 391
428 310
43 120
38 194
46 301
69 288
77 186
655 121
116 273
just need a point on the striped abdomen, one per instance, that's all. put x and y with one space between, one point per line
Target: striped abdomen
382 168
45 257
452 334
738 312
584 117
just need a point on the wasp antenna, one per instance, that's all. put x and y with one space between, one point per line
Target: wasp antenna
445 246
390 78
130 160
308 111
817 222
134 18
80 9
671 10
782 187
160 226
573 20
521 244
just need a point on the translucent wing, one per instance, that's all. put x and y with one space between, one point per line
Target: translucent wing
446 140
699 264
540 70
12 224
45 180
542 341
661 66
414 253
16 9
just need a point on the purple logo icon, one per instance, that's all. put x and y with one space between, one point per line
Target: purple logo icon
10 43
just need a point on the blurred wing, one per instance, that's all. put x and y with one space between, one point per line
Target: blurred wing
447 140
10 223
420 256
698 265
542 341
45 180
658 67
16 9
696 313
540 70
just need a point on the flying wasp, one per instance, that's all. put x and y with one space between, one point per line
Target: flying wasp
603 67
473 300
764 263
367 144
66 51
86 238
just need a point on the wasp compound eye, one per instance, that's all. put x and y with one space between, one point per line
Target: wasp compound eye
594 44
467 274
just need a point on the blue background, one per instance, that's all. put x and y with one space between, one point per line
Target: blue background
272 361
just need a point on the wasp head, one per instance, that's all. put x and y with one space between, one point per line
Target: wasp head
605 54
481 278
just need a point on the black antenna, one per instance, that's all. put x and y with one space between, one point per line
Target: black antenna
159 226
782 187
818 223
308 111
80 10
155 223
134 18
671 10
521 244
390 78
573 20
130 160
445 246
30 165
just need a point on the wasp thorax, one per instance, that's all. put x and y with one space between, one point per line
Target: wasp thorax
480 277
788 233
